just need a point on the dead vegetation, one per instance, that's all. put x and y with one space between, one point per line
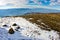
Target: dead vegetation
51 21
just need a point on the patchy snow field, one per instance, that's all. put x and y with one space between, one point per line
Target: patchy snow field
27 30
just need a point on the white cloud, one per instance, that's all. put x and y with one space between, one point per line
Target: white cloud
12 2
54 2
5 4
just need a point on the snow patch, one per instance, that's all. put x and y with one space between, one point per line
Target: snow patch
27 31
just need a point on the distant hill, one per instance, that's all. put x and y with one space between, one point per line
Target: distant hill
21 11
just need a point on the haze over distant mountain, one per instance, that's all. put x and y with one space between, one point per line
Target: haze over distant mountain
21 11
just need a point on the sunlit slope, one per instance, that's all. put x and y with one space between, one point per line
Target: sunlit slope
45 21
18 28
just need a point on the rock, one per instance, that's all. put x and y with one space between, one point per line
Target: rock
11 31
18 27
14 24
5 25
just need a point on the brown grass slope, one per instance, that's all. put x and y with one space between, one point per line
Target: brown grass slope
51 21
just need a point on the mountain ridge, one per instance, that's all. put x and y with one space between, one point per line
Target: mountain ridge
21 11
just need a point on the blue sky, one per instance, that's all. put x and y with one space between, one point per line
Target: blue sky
49 4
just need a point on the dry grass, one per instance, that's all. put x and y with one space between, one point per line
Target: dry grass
51 21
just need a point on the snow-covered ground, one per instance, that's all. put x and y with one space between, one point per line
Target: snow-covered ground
27 31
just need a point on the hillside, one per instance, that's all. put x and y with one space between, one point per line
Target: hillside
19 28
45 21
30 27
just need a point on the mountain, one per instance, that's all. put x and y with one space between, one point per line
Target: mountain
21 11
